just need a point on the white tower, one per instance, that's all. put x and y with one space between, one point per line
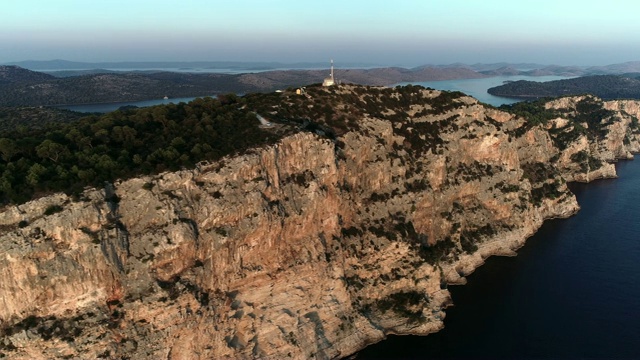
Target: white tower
332 78
330 81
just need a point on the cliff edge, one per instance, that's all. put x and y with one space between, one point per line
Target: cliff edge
336 236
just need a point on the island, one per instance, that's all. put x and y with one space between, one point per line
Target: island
607 87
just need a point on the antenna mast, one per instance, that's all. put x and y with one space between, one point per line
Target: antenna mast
332 78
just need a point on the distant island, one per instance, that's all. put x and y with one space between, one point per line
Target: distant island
60 82
604 86
23 87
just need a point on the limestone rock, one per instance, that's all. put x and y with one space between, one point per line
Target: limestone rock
310 248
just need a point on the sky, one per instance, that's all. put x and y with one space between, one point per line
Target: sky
390 32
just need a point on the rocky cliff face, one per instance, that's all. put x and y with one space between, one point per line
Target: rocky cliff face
312 248
592 134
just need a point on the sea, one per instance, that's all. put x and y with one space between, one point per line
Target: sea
572 292
478 87
107 107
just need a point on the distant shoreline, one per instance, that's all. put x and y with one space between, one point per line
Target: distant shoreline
119 104
22 87
607 87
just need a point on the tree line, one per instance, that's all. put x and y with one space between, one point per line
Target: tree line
70 156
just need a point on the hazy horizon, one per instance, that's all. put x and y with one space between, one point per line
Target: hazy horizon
402 33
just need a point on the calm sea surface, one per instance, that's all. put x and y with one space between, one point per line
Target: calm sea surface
478 87
572 292
107 107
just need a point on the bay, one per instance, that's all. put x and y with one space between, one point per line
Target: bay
572 292
107 107
478 87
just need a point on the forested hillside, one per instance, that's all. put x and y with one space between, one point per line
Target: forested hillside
30 88
16 74
46 150
103 88
67 157
97 148
13 118
604 86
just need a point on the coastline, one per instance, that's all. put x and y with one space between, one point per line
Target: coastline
118 104
504 245
508 244
447 346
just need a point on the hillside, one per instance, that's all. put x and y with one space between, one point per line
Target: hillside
15 74
342 222
500 69
12 118
56 65
539 71
37 89
98 88
603 86
21 87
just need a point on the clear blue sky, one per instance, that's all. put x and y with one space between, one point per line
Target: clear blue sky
391 32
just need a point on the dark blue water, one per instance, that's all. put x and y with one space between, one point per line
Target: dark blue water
572 292
107 107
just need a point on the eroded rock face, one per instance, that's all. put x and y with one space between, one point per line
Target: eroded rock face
307 249
598 134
